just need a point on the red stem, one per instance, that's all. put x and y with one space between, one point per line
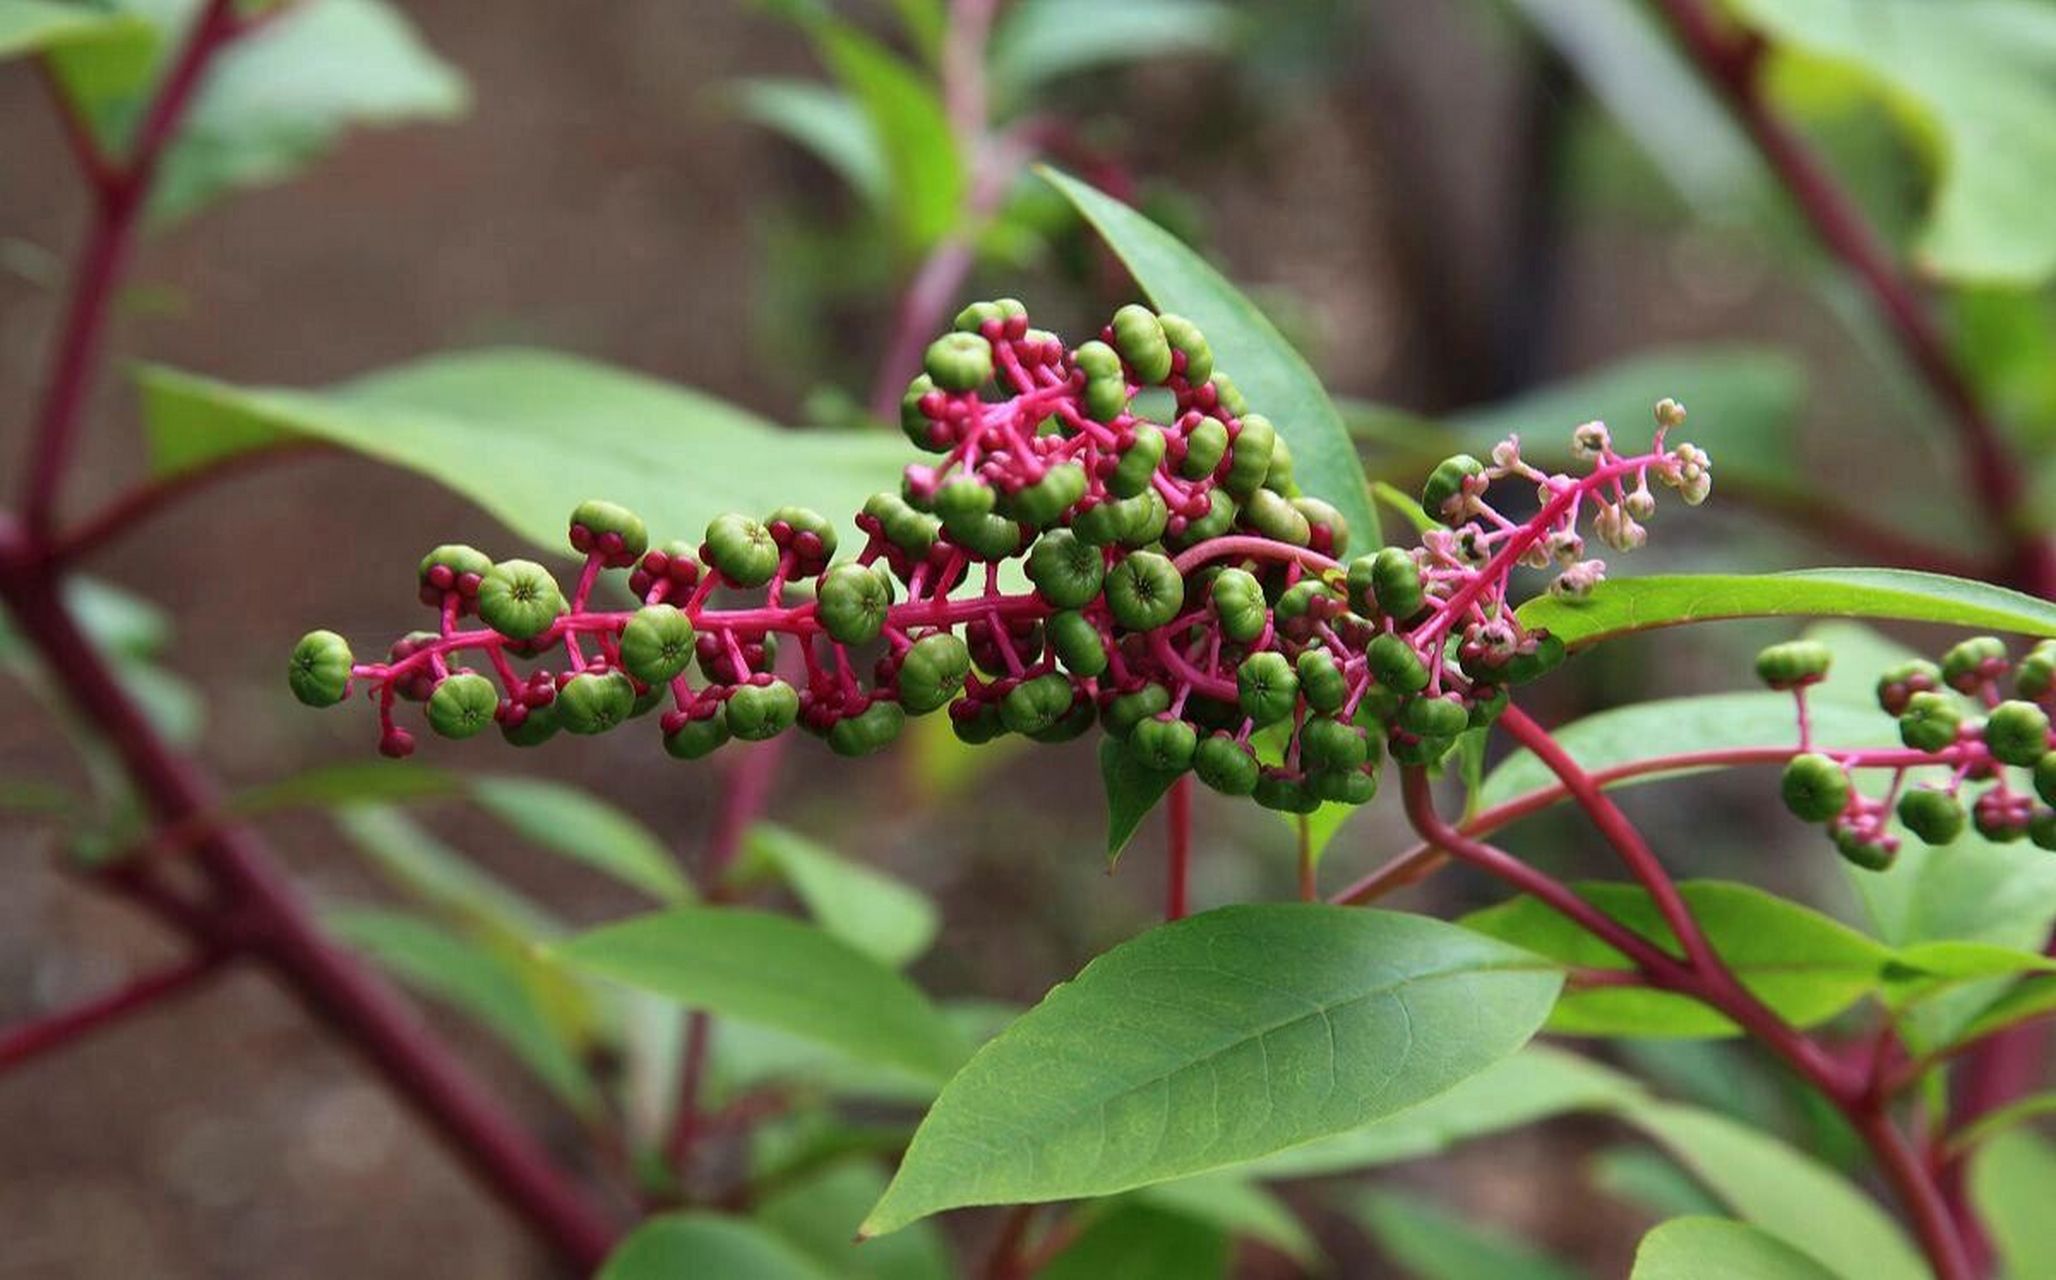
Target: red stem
137 505
1178 827
39 1035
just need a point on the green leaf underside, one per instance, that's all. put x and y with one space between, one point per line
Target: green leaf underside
1431 1243
1718 1249
823 121
585 829
1039 40
1275 379
437 876
1621 606
911 127
1143 1242
1132 789
678 1245
528 435
1801 963
1238 1206
819 1214
758 967
1212 1040
2012 1185
866 908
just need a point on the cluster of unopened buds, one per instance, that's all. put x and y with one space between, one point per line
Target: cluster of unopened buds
1186 597
1972 742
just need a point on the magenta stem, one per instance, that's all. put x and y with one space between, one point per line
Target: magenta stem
1178 829
20 1043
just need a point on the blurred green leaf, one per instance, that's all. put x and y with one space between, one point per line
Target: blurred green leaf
432 873
528 435
1132 789
1802 964
878 915
1976 82
1276 380
1622 606
586 829
675 1245
1039 40
758 967
1431 1243
819 1214
21 795
2012 1184
476 982
1142 1242
748 1056
826 123
1993 1123
2023 1001
1651 1181
1717 1249
356 782
1239 1207
1213 1040
911 127
33 26
1927 969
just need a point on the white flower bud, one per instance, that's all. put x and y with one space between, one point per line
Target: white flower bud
1669 413
1590 441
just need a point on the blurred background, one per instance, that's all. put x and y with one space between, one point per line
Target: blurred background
1473 216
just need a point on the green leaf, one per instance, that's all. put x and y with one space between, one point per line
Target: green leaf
1405 506
675 1245
1431 1243
475 981
1992 1123
866 908
2022 1002
1133 790
1039 40
33 26
1213 1040
1790 1195
758 967
356 782
2012 1182
1619 607
1717 1249
912 128
1238 1207
1142 1242
1802 964
437 876
1921 971
748 1057
1274 378
820 1213
586 829
1651 1181
1976 83
528 435
826 123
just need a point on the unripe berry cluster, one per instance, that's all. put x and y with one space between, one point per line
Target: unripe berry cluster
1954 714
1187 598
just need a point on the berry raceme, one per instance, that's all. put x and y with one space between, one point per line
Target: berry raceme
1187 598
1958 724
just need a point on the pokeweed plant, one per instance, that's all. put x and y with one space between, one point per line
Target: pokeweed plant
1114 537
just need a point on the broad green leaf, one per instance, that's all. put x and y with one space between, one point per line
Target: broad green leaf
912 130
1975 81
1621 606
1533 1085
528 435
1921 971
585 829
2022 1002
826 123
1039 40
437 876
1214 1040
1786 1193
1431 1243
1670 726
1718 1249
866 908
1275 379
758 967
1239 1207
475 981
1651 1181
676 1245
1143 1242
2012 1183
748 1056
820 1213
1132 789
33 26
1799 962
356 782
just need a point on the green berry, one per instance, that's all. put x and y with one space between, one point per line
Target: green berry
2017 733
1130 709
697 738
614 531
2036 676
460 561
1330 530
741 550
1935 816
1237 599
1321 681
1142 519
852 602
989 538
1042 502
932 672
1276 518
872 729
1868 854
1255 443
1279 478
537 726
1396 584
1428 753
974 317
1328 743
760 711
1343 786
1139 337
978 729
1205 445
1968 665
2045 778
1442 717
804 521
462 705
1284 793
1547 655
1898 684
1814 787
1036 703
594 702
959 361
1067 571
1144 591
1220 517
1930 722
1106 383
1395 665
1794 664
1446 484
657 643
914 423
1225 765
1164 745
1139 462
1072 724
1184 336
520 599
1078 644
1266 686
1230 395
1487 702
319 672
905 528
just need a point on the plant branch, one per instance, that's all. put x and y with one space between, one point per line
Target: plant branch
1178 849
27 1040
121 515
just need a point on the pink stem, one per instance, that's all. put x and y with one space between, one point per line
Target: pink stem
1178 825
27 1040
